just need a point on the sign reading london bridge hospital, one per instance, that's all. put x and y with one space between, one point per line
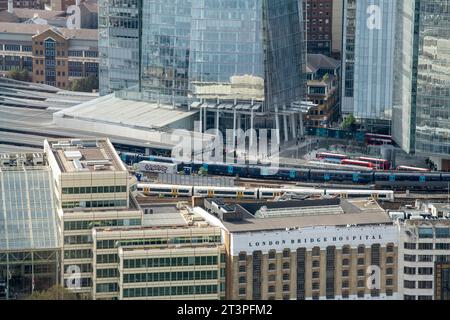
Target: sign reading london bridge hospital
313 237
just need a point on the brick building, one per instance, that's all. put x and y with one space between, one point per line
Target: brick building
54 56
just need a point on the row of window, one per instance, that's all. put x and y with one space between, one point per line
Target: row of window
426 258
421 271
439 233
316 251
94 204
420 284
169 262
170 276
90 190
107 273
110 244
107 287
426 246
86 225
78 254
170 291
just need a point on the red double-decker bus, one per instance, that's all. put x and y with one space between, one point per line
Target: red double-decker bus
380 164
357 163
378 139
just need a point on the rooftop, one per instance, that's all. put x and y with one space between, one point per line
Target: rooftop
162 215
86 155
320 61
27 209
260 216
127 112
35 29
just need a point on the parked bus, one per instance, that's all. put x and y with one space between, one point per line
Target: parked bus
378 139
380 164
358 163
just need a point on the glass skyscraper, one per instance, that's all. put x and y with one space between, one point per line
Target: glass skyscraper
368 57
119 29
421 121
235 50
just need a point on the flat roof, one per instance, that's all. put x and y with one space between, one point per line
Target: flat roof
79 155
110 109
162 215
309 213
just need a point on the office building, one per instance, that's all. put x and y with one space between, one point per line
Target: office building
234 62
92 189
52 56
424 252
27 4
421 114
174 255
310 249
323 26
29 235
368 61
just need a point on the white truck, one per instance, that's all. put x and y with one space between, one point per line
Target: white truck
158 167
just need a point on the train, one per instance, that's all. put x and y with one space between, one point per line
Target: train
149 189
393 180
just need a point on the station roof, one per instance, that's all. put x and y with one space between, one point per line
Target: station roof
110 109
27 210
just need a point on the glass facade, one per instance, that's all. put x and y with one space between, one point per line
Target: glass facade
433 78
118 44
239 50
422 113
369 40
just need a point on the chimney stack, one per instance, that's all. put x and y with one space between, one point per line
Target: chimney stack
10 6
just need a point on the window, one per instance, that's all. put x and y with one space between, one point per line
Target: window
242 279
424 297
425 271
425 246
409 284
345 284
315 286
442 246
425 258
286 265
361 249
272 254
409 270
272 267
409 246
345 273
389 260
242 256
272 278
286 288
389 281
271 289
346 250
442 233
315 275
345 262
361 273
389 271
409 257
426 233
316 251
241 291
361 284
316 264
242 269
425 285
286 253
361 261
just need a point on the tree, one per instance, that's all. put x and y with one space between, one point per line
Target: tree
19 74
54 293
85 84
349 123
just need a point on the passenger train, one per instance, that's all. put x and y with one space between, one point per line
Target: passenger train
395 180
149 189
